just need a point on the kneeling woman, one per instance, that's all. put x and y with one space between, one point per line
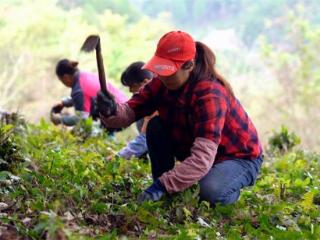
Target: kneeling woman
201 123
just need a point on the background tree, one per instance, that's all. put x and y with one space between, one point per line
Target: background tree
295 63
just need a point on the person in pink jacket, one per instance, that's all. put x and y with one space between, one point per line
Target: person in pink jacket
84 87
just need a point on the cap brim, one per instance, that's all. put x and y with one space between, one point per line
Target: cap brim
162 66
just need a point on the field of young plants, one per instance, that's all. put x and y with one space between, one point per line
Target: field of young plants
57 183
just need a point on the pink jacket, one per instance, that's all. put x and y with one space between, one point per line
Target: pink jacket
86 88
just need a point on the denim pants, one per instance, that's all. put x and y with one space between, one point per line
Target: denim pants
223 182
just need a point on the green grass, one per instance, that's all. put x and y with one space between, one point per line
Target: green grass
62 185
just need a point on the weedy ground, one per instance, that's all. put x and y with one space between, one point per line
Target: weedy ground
61 184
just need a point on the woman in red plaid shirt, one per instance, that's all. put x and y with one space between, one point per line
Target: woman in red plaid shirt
201 124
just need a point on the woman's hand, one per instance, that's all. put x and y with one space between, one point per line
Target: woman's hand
57 108
55 118
106 104
152 193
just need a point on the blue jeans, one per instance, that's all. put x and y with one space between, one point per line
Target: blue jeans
223 182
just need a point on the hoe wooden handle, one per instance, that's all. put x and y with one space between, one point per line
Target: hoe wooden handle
102 75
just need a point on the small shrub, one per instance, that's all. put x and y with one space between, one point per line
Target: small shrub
283 140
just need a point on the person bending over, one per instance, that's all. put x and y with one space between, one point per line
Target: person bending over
134 77
84 87
201 124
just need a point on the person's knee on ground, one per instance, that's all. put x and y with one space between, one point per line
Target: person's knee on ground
217 192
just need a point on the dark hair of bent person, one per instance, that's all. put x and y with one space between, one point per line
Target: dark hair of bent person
65 66
134 74
205 62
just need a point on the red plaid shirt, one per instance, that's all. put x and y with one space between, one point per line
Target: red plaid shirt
201 109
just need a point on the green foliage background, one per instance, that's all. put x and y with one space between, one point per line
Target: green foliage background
271 62
31 44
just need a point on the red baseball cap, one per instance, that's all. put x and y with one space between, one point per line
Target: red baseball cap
173 50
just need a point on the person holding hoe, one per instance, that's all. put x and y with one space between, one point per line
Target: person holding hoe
84 87
201 124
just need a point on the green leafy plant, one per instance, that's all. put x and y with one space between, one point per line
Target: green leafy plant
283 140
72 187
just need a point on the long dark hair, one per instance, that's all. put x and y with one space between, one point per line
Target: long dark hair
65 66
205 61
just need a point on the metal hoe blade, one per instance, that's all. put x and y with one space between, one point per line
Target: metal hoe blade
90 43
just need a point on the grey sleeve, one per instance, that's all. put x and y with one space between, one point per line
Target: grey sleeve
67 102
77 98
70 120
